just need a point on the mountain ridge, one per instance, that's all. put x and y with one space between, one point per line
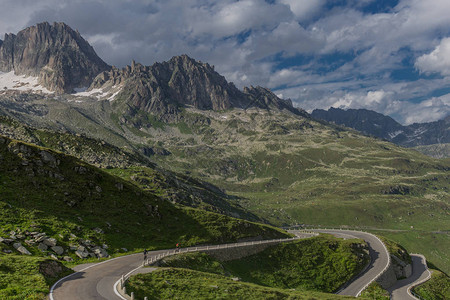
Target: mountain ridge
379 125
165 88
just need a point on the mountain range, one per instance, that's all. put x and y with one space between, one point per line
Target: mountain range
180 131
379 125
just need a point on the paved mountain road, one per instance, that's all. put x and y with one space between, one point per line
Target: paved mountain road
378 255
420 273
96 281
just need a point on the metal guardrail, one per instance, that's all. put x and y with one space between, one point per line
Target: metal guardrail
119 286
384 246
410 288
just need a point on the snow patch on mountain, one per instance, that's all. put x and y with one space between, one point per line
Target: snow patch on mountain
99 93
395 133
11 81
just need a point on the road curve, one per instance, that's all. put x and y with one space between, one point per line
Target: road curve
96 281
420 274
378 255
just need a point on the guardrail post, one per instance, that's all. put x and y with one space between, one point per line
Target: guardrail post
132 296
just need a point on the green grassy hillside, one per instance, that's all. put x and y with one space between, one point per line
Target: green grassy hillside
45 191
308 267
321 263
281 167
132 166
56 205
437 288
28 277
190 284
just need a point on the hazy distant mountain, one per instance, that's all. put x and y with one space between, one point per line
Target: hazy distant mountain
379 125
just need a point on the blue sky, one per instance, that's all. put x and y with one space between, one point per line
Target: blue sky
389 56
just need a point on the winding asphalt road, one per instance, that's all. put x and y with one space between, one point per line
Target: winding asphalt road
420 273
378 255
96 281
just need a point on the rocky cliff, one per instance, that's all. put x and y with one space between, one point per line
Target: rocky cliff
265 98
55 53
165 87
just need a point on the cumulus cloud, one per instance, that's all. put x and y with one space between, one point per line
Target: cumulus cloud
319 53
437 61
304 9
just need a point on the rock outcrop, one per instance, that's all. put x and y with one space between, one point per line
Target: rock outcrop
265 98
163 88
56 54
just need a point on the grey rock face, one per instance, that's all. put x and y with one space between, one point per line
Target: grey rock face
82 254
43 247
100 252
58 250
47 157
21 249
56 54
163 88
50 242
264 98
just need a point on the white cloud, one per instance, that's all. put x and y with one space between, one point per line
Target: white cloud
431 109
232 18
246 39
304 9
437 61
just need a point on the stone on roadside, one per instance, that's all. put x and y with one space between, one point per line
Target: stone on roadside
53 256
51 242
43 247
6 241
21 249
82 254
67 258
58 250
40 238
30 242
100 252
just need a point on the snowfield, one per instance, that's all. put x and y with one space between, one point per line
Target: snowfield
11 81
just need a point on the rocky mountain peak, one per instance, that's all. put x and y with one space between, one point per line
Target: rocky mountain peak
55 53
163 87
264 98
183 81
